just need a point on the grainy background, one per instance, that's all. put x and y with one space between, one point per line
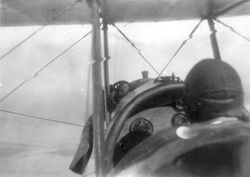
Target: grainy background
36 148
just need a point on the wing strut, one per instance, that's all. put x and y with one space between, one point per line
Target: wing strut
106 71
213 39
105 21
98 103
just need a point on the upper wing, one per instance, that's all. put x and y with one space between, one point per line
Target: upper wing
30 12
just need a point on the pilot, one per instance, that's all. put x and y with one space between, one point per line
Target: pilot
213 89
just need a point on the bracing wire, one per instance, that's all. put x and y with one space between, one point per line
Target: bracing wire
134 46
232 29
45 66
39 118
38 30
180 47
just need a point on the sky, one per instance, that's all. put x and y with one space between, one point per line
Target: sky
60 91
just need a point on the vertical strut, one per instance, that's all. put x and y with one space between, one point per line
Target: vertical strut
213 39
98 107
106 70
106 20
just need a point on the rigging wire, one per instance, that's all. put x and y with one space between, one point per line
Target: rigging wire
180 47
232 29
134 46
38 30
39 118
45 66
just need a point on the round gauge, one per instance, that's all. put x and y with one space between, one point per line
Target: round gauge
141 124
179 105
179 119
120 90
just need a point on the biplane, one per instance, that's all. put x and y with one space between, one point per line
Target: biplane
122 107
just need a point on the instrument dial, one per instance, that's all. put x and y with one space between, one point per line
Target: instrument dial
141 124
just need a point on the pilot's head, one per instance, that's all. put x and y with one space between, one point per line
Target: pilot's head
212 89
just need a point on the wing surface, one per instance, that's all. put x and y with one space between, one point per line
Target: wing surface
30 12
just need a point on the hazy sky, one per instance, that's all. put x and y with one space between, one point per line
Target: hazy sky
63 85
60 91
157 41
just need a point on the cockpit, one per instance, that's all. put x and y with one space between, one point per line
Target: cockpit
156 109
150 122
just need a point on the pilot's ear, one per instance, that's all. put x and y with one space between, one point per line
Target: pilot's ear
179 119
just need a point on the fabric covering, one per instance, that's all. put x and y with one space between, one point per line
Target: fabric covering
84 150
29 12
